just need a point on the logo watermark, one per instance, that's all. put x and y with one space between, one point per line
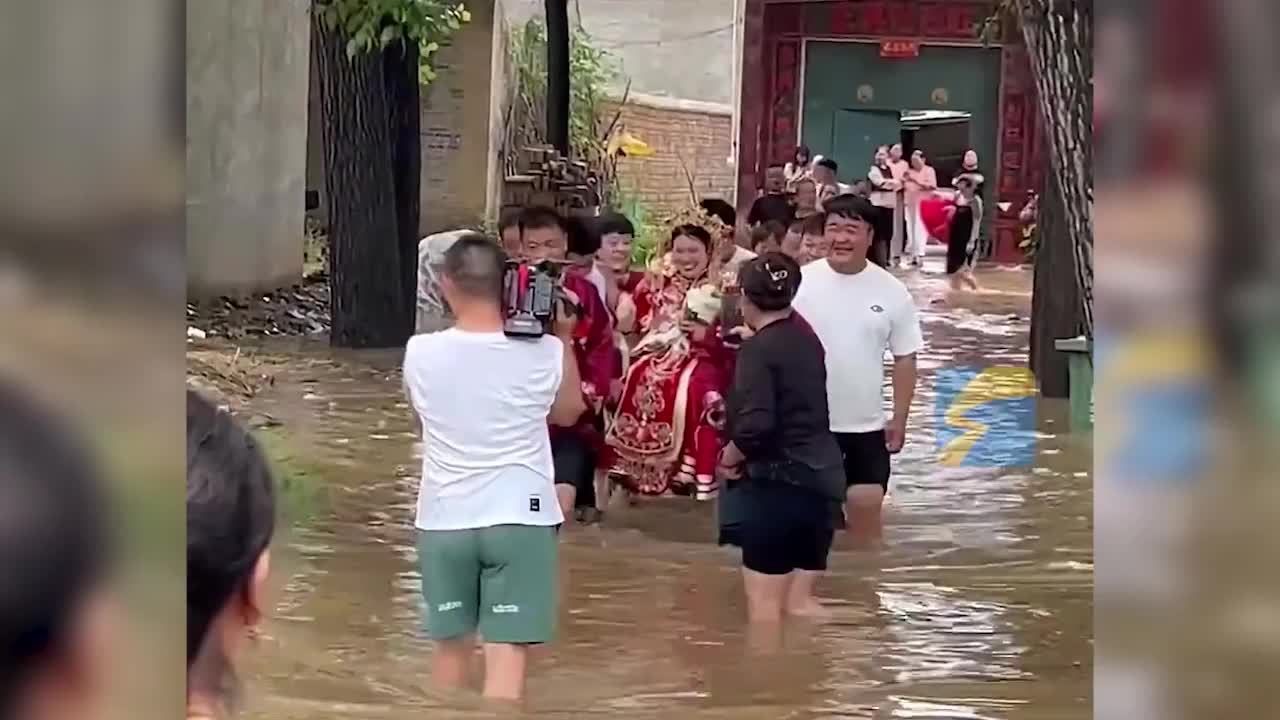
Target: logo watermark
985 417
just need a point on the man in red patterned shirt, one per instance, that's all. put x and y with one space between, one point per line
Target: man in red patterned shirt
545 235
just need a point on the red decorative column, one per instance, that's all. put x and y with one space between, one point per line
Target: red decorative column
751 109
1016 167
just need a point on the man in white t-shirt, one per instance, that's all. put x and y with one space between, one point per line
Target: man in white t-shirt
487 511
859 310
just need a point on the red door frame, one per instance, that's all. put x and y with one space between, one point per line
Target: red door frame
769 119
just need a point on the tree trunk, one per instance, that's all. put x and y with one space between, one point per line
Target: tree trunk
366 301
400 66
1055 299
1059 39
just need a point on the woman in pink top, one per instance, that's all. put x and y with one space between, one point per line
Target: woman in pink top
919 182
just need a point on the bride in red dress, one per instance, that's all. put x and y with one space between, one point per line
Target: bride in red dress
666 435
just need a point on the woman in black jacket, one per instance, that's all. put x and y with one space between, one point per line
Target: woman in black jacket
781 448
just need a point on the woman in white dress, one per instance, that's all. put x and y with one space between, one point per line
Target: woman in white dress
919 182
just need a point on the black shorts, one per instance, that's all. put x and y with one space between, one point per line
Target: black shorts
783 528
575 464
866 458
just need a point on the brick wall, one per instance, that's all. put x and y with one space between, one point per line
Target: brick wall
699 133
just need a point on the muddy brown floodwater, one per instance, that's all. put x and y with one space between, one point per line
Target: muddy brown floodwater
979 607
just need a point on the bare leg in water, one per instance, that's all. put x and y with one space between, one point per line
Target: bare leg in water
863 513
801 602
504 671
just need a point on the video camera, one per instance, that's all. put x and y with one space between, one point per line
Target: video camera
530 295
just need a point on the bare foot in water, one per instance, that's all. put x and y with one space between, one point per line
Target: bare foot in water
812 610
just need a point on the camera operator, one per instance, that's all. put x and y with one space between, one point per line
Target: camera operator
487 514
546 235
781 447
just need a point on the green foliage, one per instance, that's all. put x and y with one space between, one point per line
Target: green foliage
429 23
591 71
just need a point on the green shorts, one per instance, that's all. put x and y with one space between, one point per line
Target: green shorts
501 581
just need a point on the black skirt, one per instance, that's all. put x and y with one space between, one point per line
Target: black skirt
958 254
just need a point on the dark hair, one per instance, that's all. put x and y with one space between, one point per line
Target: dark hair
850 207
508 219
815 224
721 209
696 232
829 164
538 217
615 223
760 234
797 226
475 265
776 228
231 517
770 281
802 150
583 236
54 536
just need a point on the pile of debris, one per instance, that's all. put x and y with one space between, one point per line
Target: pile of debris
302 309
227 376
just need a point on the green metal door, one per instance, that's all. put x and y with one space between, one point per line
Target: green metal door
851 93
855 134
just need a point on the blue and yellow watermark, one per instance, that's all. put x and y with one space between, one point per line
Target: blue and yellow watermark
986 417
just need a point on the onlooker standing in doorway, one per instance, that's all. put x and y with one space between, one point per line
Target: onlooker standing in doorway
898 166
780 448
487 509
859 311
884 198
919 182
800 166
773 205
962 244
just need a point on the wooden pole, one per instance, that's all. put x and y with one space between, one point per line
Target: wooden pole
558 74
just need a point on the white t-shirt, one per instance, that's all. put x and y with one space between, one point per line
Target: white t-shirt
602 285
858 317
483 400
740 256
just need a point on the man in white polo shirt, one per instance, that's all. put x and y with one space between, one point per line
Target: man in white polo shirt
859 310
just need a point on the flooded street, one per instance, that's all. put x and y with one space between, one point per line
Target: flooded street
979 607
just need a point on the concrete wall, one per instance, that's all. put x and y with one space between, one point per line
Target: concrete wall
460 124
676 48
700 134
247 77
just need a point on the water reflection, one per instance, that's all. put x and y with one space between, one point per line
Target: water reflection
980 607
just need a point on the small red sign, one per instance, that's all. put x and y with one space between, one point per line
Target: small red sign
899 48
